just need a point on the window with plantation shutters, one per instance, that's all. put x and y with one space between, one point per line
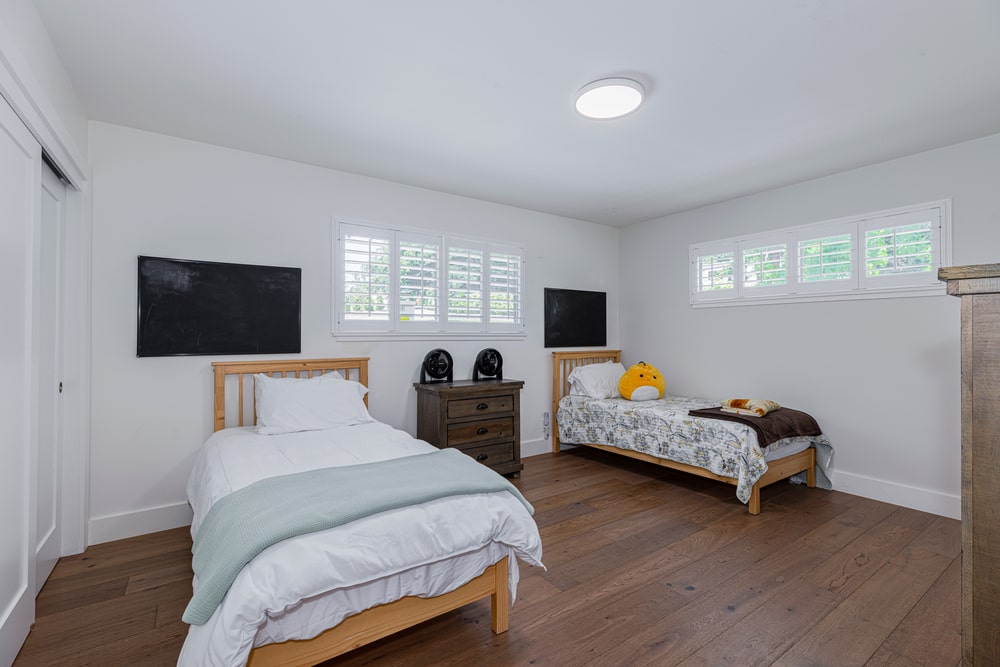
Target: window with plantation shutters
406 282
765 266
826 258
505 289
365 277
899 248
419 280
714 271
465 285
881 254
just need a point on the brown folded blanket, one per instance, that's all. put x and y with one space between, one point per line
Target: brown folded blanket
774 426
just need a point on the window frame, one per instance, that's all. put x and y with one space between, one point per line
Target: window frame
393 327
857 286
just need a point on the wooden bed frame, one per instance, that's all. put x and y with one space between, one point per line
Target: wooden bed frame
563 364
377 622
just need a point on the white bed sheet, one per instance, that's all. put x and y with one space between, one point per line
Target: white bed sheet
299 587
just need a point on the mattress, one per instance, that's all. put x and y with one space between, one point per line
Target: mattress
663 428
299 587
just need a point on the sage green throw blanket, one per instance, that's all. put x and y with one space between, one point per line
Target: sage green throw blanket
244 523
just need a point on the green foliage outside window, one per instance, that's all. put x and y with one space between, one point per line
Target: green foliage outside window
904 249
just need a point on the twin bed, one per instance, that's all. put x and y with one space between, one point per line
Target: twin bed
300 429
663 432
314 596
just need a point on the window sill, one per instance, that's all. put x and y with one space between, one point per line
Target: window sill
348 337
895 293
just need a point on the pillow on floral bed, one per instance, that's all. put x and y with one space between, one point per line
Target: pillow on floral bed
596 380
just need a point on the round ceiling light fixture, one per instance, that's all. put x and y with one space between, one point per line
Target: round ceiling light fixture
605 99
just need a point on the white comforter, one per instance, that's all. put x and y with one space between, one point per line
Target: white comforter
299 587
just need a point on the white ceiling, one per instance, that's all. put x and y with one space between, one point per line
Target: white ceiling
475 98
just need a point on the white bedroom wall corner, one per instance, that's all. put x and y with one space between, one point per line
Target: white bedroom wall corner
129 524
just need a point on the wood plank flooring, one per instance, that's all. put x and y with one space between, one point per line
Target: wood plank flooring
645 566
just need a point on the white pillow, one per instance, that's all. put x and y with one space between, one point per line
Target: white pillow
287 405
596 380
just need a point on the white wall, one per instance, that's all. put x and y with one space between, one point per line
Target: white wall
169 197
41 90
881 376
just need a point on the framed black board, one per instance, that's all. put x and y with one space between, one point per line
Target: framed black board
575 318
190 307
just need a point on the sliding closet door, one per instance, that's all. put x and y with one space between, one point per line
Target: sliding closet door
48 338
20 174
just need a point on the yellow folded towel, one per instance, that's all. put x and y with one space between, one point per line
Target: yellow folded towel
754 407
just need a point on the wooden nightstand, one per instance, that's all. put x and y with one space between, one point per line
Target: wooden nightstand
481 418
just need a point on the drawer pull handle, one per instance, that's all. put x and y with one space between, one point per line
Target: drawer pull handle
482 406
482 457
482 430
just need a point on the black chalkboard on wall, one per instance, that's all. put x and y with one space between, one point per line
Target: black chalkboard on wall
575 318
189 307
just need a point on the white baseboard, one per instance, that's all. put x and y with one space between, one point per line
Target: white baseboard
925 500
131 524
535 447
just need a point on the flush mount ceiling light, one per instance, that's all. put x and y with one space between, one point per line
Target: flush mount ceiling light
609 98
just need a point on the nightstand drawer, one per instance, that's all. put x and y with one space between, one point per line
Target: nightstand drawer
487 405
480 431
491 455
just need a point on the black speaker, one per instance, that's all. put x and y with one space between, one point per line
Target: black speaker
489 365
437 365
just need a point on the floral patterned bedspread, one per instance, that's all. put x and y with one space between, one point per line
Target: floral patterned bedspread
664 429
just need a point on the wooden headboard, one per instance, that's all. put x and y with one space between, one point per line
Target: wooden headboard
239 376
563 364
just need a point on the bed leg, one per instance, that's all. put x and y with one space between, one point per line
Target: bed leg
500 600
754 504
811 470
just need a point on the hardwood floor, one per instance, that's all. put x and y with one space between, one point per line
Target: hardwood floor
645 566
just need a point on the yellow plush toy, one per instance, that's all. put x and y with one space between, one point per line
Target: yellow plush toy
642 382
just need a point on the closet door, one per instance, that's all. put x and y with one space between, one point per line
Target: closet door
20 175
48 338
